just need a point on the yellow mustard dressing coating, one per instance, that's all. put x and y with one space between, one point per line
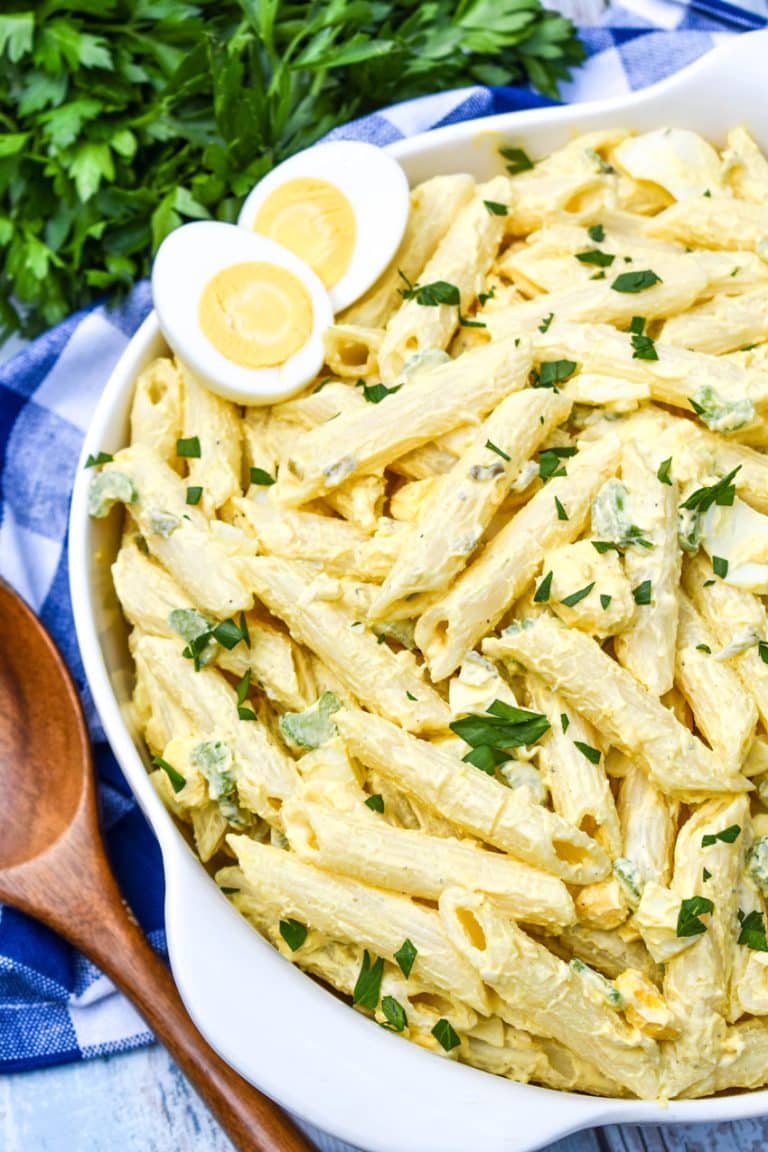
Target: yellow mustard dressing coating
313 219
256 314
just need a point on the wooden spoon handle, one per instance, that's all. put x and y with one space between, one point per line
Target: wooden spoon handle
111 938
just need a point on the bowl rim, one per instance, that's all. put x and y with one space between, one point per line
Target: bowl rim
338 1080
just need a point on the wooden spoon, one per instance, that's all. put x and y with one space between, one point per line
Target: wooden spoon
53 867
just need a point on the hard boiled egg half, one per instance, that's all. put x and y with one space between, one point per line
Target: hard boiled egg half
340 207
244 313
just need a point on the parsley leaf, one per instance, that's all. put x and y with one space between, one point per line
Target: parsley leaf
592 754
564 722
722 493
752 932
188 446
561 512
549 461
575 597
544 326
605 600
260 477
194 494
405 956
596 233
368 984
688 922
720 567
550 373
728 836
517 160
375 802
635 281
294 933
394 1013
499 451
762 648
541 595
642 593
375 393
430 295
663 472
99 458
495 208
643 348
177 780
491 735
596 257
445 1035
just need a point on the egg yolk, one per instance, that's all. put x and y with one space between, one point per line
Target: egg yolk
313 219
256 314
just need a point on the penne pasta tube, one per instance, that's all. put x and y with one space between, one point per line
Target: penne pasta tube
215 423
648 821
435 204
360 844
579 787
371 672
352 444
647 646
724 712
351 350
746 168
354 913
549 993
712 222
156 410
610 697
723 324
696 980
455 516
482 594
738 619
463 259
179 535
501 816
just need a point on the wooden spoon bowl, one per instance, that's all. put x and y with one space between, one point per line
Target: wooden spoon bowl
53 867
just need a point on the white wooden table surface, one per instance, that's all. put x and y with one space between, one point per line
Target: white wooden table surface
140 1102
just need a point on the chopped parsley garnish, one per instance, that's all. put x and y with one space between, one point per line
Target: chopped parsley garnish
552 372
189 447
704 648
549 461
176 778
643 348
99 458
605 600
728 836
544 326
596 233
722 493
491 735
445 1035
720 567
688 922
375 393
663 472
603 546
596 257
375 802
260 477
637 325
368 984
575 597
642 593
229 634
294 933
194 493
499 451
541 595
598 276
495 208
564 721
411 696
635 281
394 1013
227 890
484 297
706 875
561 512
430 295
592 754
762 648
517 160
243 686
405 956
246 713
752 932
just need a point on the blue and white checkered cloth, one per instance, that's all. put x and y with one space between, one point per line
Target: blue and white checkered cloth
54 1005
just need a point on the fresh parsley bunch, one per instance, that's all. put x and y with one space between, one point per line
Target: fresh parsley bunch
120 119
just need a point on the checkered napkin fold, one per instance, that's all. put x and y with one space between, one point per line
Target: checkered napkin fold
54 1005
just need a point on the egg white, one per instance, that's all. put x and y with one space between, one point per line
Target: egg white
682 162
375 186
185 262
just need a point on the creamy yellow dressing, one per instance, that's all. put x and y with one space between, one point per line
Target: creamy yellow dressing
313 219
256 314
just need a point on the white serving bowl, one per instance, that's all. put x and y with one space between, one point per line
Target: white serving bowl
290 1037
